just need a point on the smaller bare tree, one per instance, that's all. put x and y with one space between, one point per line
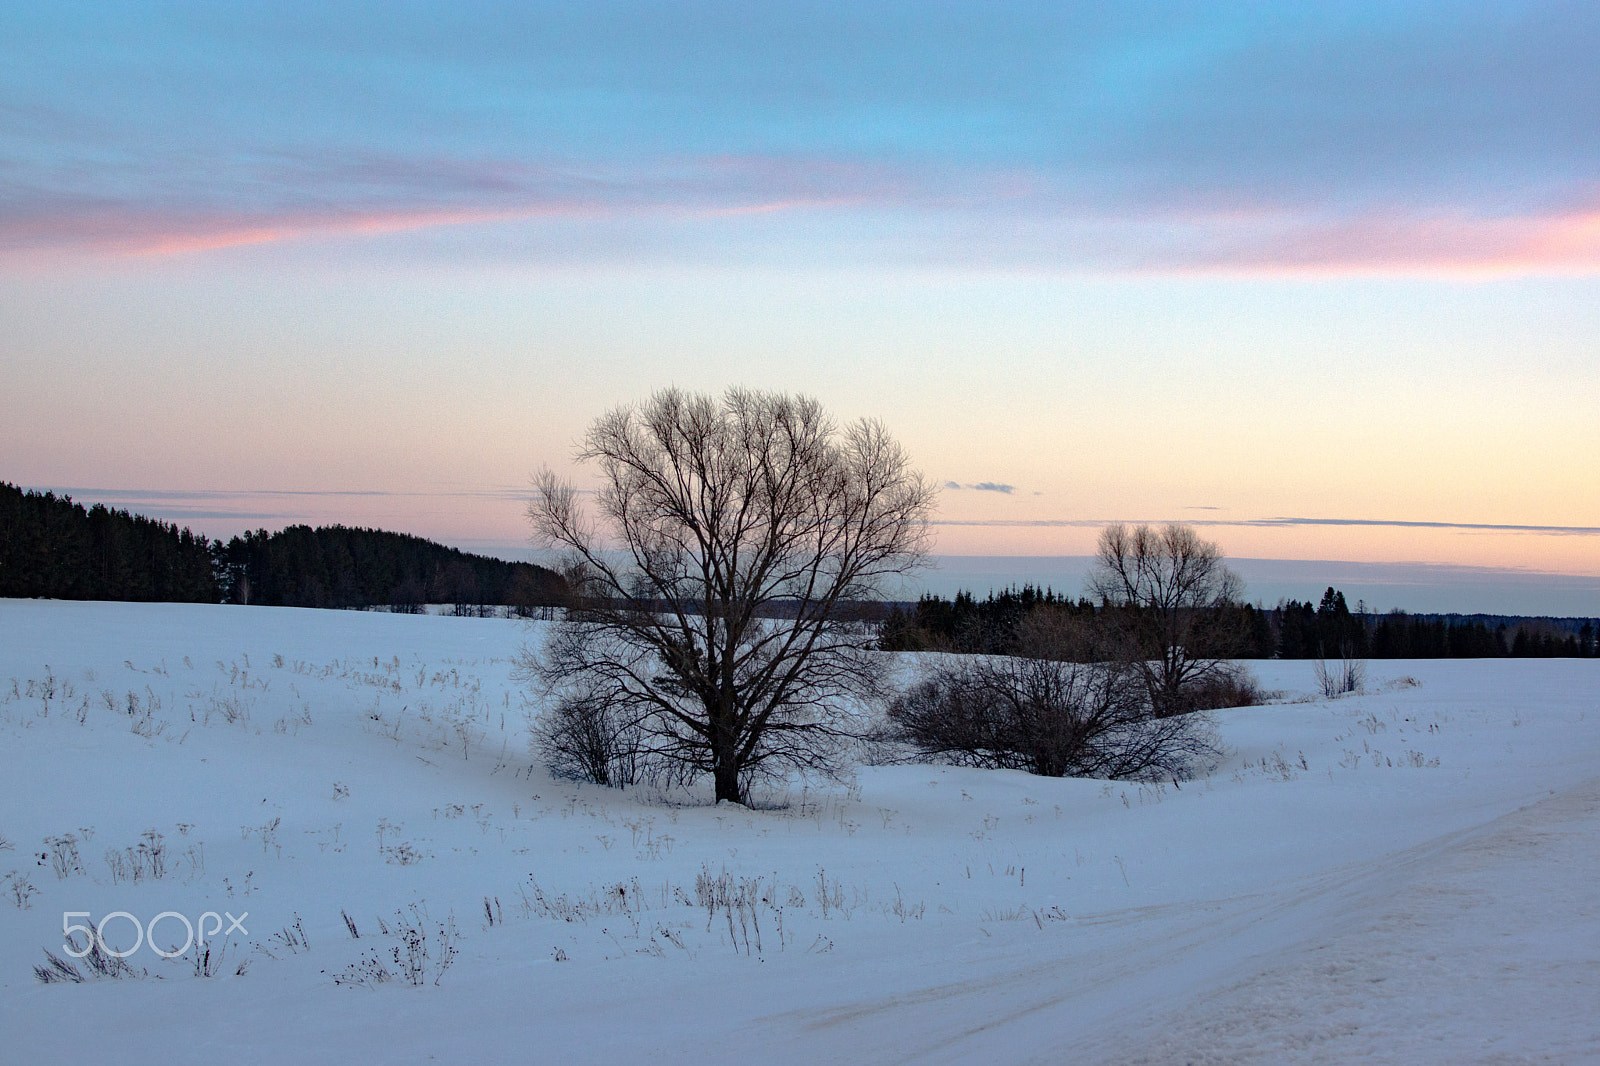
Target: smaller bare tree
1169 604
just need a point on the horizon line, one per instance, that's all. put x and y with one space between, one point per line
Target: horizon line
1043 523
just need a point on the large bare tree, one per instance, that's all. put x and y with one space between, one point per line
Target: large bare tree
711 628
1168 602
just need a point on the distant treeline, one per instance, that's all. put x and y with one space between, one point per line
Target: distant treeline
52 547
336 566
1331 629
1009 622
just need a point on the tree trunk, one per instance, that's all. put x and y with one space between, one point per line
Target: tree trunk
727 779
725 754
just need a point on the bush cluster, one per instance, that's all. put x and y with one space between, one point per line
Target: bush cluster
1048 717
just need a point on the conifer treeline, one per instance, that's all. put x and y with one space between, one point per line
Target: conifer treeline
53 547
1293 630
971 626
337 566
1331 630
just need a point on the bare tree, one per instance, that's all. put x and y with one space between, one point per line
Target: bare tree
1168 601
713 593
1048 717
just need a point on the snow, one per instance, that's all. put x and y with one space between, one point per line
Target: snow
1403 876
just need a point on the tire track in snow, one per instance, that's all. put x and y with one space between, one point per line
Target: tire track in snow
1487 951
1295 967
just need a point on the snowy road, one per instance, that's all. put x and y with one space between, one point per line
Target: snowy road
1481 946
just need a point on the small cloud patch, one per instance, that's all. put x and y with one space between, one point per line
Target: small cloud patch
984 486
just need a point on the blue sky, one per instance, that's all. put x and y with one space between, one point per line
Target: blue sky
1138 261
1406 136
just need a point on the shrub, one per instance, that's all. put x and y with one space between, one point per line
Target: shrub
1057 719
1347 675
1231 685
587 736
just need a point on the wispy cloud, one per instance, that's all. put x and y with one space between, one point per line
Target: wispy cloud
1398 240
443 511
109 495
255 202
939 219
174 513
1089 523
983 486
183 497
1492 527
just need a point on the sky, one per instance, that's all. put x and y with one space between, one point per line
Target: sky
1321 278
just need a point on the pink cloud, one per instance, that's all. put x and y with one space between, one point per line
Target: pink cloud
364 196
1037 234
179 236
999 219
1391 243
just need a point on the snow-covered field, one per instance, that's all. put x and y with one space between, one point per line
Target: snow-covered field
1409 876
